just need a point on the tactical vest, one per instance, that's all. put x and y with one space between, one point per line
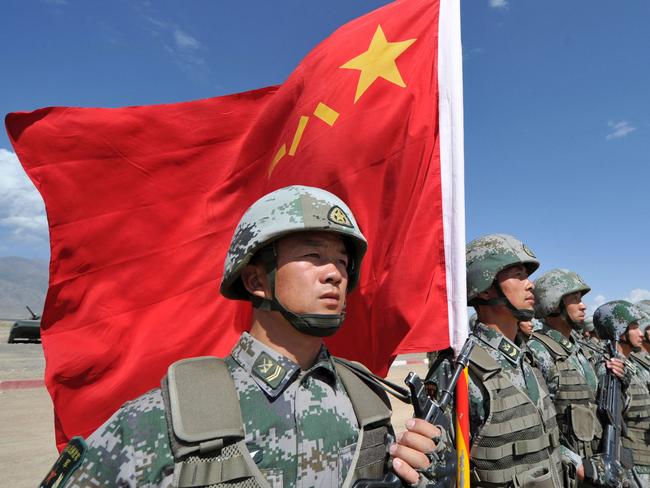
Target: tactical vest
575 402
206 430
518 444
637 415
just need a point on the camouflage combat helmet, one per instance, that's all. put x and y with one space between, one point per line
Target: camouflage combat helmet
551 287
282 212
489 255
612 319
644 323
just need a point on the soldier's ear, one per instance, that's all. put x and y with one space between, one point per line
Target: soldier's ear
255 280
486 295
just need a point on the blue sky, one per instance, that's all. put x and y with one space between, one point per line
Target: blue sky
557 106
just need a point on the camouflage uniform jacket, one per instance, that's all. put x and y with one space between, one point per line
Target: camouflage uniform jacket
300 427
578 358
573 386
516 363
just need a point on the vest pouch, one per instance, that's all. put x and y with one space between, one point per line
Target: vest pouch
538 477
583 422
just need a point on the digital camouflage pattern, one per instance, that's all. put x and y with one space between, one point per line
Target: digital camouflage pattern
644 308
515 363
571 381
490 254
552 286
578 359
612 319
516 366
635 416
301 422
286 211
300 427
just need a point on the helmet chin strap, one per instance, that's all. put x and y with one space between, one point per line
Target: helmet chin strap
318 325
520 314
565 315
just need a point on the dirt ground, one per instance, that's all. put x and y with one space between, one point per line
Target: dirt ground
27 447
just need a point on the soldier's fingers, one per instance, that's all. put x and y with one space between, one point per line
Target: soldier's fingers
618 368
406 472
423 427
413 457
416 441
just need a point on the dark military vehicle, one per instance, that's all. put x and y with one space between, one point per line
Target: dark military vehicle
27 330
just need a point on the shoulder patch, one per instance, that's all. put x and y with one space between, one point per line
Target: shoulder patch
70 459
338 216
509 350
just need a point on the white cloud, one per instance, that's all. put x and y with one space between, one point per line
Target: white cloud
22 213
498 3
638 294
619 129
184 48
185 41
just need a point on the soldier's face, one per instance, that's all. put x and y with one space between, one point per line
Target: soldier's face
634 334
575 309
312 273
526 328
517 287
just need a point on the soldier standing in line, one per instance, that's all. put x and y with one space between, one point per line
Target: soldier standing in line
279 411
620 319
571 379
514 433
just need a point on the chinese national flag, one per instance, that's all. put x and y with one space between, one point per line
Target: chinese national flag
142 203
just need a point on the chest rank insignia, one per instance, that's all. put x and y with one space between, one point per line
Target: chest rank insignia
509 350
338 216
70 459
566 344
269 370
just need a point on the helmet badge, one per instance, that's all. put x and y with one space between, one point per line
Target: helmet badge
528 251
338 216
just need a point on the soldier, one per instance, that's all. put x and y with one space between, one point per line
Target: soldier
514 434
279 410
571 379
526 329
619 319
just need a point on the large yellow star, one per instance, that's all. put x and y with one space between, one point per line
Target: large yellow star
378 61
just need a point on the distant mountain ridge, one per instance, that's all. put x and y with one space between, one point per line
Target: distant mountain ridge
22 282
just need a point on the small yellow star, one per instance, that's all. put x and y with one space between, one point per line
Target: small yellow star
378 61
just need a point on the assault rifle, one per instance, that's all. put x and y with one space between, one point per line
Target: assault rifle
434 413
610 412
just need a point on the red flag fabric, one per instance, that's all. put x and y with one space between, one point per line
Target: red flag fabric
142 203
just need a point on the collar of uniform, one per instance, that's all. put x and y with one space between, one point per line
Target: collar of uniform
272 371
268 368
323 367
496 340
